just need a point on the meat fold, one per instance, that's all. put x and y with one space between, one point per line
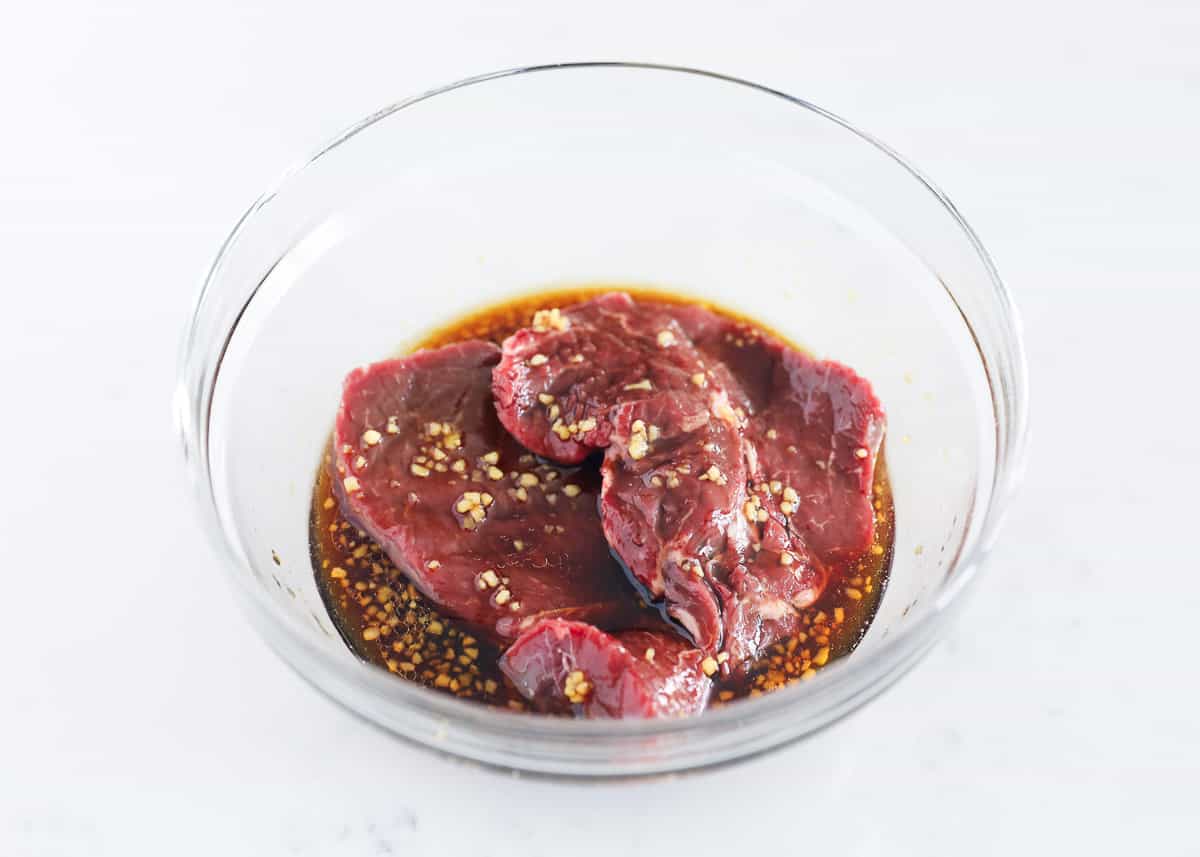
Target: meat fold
612 373
674 478
566 666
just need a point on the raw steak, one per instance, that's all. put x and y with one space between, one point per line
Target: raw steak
495 537
674 482
813 432
558 379
816 427
572 666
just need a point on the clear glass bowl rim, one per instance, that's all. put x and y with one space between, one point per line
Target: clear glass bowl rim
842 685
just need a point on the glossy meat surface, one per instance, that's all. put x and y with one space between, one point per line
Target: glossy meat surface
571 666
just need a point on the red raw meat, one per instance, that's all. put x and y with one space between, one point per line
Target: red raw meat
614 373
572 666
486 531
816 427
558 379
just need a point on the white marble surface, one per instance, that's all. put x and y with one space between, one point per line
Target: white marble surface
140 715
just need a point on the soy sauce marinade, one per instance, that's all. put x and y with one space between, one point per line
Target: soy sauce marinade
386 621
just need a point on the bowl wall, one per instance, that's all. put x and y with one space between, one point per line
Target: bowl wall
622 176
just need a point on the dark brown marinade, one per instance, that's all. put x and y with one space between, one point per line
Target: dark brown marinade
386 621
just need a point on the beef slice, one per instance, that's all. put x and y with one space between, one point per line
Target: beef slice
569 666
815 425
612 373
489 533
559 378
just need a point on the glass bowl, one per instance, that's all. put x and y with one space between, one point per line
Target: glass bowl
601 173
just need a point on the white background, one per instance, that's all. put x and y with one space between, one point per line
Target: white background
140 715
